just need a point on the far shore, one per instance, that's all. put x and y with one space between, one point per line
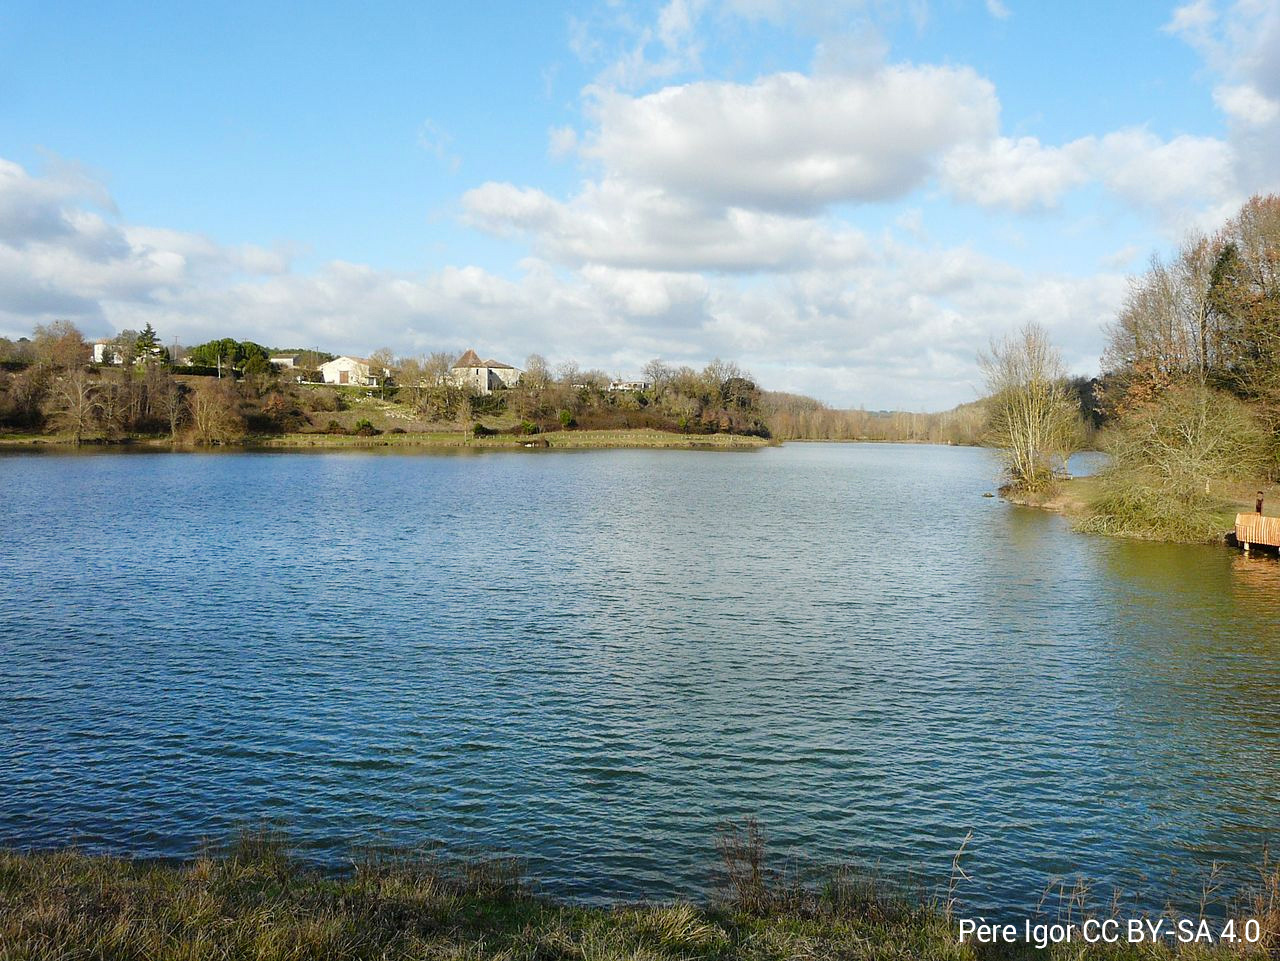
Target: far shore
434 440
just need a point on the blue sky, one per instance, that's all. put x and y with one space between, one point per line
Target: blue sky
849 198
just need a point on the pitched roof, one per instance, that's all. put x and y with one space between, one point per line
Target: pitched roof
469 359
497 365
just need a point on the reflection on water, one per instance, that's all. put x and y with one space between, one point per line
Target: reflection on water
591 660
1256 577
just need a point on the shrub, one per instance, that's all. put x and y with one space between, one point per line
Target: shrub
215 414
566 419
479 430
1135 506
1165 457
365 428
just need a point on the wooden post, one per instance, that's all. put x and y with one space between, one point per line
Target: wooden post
1258 508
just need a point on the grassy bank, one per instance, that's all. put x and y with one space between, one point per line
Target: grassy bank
1080 499
563 440
252 901
426 440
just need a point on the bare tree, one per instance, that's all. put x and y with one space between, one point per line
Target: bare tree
1034 418
382 364
59 344
411 378
215 414
168 400
537 373
114 402
569 373
73 402
658 374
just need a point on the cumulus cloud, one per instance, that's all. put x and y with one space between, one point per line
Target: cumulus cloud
622 224
1240 45
1019 174
792 142
1167 176
1243 103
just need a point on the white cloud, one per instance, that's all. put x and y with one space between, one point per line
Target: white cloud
1193 20
1244 104
998 9
1019 174
791 142
1186 180
1240 45
622 224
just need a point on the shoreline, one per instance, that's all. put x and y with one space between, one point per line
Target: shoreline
252 898
1074 498
426 441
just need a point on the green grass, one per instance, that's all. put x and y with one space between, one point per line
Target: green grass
1114 505
252 901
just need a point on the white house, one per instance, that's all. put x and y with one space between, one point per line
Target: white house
483 376
630 386
351 370
284 361
104 352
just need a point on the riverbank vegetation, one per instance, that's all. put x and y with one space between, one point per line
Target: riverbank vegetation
230 392
1033 417
50 390
252 900
1188 402
1191 383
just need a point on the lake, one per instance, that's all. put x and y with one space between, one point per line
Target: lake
590 660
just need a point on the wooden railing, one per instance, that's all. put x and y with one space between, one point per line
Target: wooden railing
1256 529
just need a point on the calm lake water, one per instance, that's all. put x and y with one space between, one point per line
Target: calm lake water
590 660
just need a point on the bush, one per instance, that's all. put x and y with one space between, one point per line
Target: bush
365 428
527 427
566 419
1166 456
1133 506
479 430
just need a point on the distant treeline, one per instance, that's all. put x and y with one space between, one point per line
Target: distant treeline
797 417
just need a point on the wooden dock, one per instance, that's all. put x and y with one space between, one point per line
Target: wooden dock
1255 529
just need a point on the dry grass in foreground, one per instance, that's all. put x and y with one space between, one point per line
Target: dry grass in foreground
252 901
